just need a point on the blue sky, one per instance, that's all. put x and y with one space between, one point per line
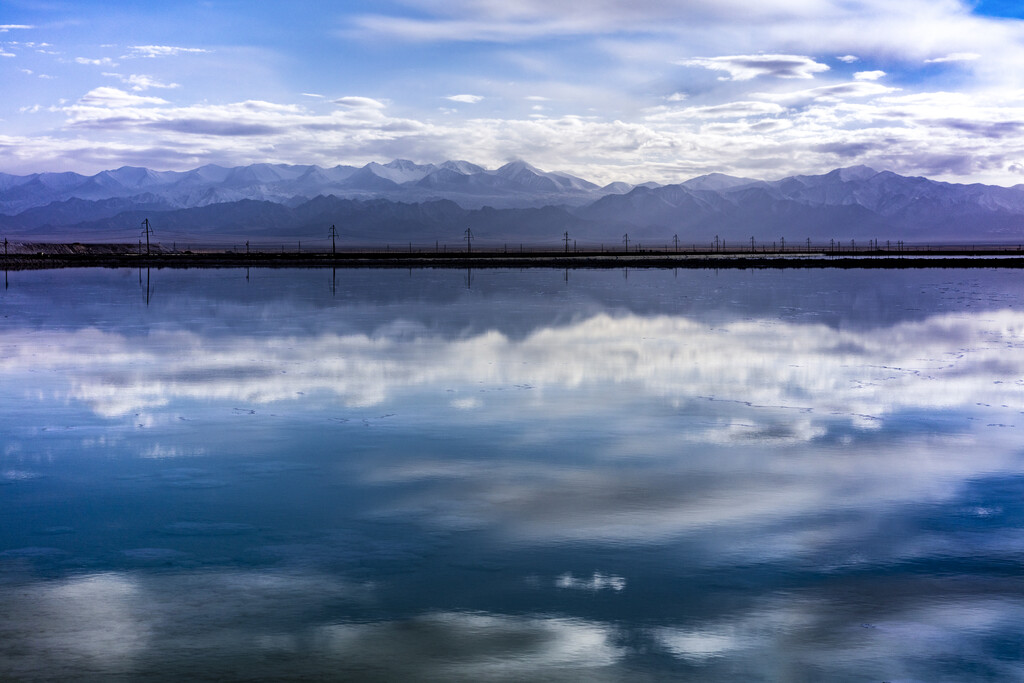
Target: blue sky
606 89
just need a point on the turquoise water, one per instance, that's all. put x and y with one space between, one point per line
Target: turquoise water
512 475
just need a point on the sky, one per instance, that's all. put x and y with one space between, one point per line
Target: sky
631 90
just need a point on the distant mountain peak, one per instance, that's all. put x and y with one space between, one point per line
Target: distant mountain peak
463 167
716 182
518 166
399 171
853 202
853 173
404 165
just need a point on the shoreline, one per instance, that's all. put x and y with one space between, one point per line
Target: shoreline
53 256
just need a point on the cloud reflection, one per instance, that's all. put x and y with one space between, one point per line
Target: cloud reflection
914 637
234 624
758 423
90 623
219 624
946 362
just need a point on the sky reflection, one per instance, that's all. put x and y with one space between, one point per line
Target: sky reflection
950 362
609 481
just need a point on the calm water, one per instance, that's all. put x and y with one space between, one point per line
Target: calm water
505 475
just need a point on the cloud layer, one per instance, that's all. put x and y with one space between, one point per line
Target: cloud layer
649 91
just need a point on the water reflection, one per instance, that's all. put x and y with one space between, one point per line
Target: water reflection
146 623
768 380
697 476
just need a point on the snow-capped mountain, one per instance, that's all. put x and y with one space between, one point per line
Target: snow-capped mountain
514 185
850 203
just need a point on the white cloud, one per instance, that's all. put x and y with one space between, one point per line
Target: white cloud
485 21
621 67
868 75
746 67
823 128
163 50
649 31
140 82
865 27
114 98
635 143
355 102
466 99
102 61
955 57
830 92
313 94
728 110
3 53
491 21
4 28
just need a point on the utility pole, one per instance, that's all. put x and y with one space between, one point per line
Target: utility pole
566 239
469 241
147 231
675 242
625 240
332 235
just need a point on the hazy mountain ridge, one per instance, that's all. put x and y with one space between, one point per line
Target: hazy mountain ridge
850 203
361 221
515 185
403 200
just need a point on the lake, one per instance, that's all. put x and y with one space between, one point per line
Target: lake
512 475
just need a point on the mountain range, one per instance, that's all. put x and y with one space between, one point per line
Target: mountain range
402 201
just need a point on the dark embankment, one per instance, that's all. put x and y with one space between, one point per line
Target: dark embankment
41 256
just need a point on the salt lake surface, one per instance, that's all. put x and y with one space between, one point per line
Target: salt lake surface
506 475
